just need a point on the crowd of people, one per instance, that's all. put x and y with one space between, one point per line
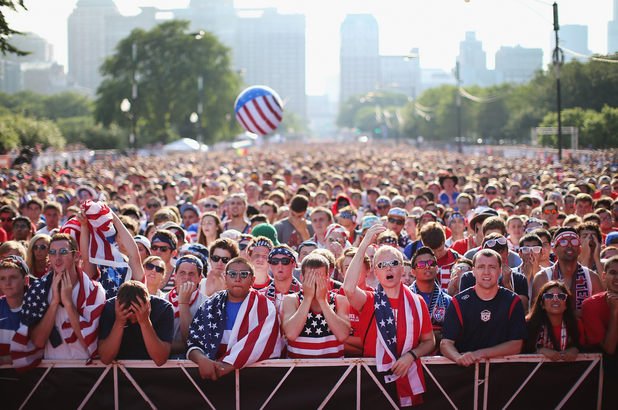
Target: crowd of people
310 251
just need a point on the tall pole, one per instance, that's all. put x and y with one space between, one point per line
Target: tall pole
558 60
200 107
133 135
458 102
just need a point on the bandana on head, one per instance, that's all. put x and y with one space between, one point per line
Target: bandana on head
261 242
280 250
564 235
336 228
19 261
163 238
190 259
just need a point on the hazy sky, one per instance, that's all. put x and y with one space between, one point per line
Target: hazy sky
434 26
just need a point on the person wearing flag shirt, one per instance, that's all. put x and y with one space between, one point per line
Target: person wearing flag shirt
315 321
394 322
185 298
235 327
425 269
581 281
136 326
281 262
258 251
61 311
486 320
13 281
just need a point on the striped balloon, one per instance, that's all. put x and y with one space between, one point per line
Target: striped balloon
259 109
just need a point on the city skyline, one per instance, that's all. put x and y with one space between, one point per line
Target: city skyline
402 25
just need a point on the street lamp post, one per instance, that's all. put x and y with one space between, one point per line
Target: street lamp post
125 107
558 60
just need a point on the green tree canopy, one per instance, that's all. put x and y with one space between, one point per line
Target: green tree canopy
166 64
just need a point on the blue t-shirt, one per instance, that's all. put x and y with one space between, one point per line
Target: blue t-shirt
9 323
231 312
473 323
411 248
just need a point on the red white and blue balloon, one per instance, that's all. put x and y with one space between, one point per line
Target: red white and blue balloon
259 109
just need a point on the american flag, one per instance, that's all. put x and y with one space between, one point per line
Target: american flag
394 339
316 339
89 304
259 110
73 228
253 336
103 249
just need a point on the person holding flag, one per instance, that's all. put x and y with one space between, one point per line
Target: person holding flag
235 327
61 311
394 320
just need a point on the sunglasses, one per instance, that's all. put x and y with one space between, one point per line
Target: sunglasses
150 206
283 261
493 242
386 264
213 206
383 206
152 266
550 211
491 192
6 219
40 247
389 241
233 274
553 296
160 248
530 249
223 259
396 221
61 252
565 242
425 264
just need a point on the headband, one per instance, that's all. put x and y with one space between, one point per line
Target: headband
280 250
261 242
566 234
190 259
163 238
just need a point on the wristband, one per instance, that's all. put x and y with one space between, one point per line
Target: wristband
413 354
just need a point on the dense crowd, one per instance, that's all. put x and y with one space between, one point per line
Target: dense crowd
307 251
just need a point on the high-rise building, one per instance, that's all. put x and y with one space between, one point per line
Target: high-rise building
270 50
612 31
215 16
38 48
401 73
517 64
472 62
574 40
359 55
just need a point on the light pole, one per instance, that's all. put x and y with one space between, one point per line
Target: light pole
558 60
458 103
125 107
193 119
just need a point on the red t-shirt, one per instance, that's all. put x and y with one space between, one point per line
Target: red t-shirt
595 316
367 327
460 246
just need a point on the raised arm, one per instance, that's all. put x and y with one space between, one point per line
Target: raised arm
353 292
128 245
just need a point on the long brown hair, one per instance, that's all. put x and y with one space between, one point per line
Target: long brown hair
537 318
201 237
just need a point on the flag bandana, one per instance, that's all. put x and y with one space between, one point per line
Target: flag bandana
253 337
103 249
90 303
394 339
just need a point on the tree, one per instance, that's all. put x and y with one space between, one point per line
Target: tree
6 31
83 130
32 132
167 65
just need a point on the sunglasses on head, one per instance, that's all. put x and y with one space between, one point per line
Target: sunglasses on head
162 248
553 296
396 221
233 274
493 242
40 247
151 266
530 249
386 264
216 258
388 240
425 264
283 261
61 252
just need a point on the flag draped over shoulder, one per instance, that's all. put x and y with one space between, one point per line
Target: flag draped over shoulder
397 336
253 337
103 249
90 303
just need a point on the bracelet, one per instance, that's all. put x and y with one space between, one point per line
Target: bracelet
413 354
